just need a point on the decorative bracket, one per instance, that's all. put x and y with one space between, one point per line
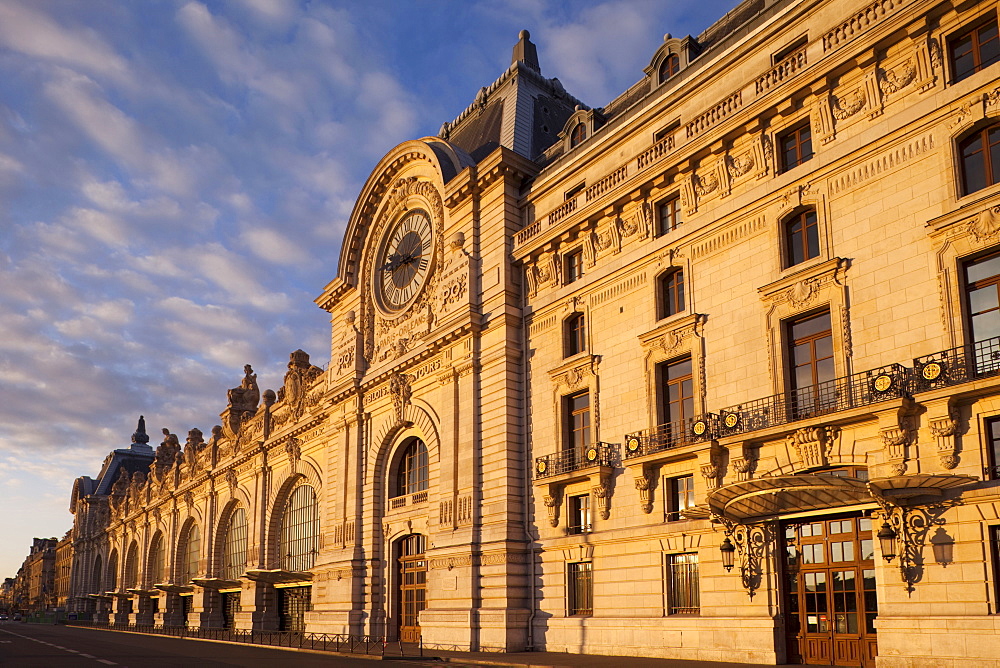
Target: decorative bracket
645 482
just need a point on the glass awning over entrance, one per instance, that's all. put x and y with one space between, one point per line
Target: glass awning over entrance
778 495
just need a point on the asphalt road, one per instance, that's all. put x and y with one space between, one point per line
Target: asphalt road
43 646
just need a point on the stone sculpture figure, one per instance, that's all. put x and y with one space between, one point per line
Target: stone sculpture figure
247 395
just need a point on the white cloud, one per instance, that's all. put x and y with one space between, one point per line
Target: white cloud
39 36
272 246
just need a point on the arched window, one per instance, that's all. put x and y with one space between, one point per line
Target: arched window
132 567
671 293
97 575
578 134
576 334
413 474
154 567
801 237
234 555
111 578
980 156
300 530
189 550
670 66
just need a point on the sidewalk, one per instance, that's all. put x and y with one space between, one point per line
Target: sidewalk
565 660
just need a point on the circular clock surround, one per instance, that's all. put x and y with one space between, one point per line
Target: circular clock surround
404 261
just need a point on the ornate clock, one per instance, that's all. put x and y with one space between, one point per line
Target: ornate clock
404 261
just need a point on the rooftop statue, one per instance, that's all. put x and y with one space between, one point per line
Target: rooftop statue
247 395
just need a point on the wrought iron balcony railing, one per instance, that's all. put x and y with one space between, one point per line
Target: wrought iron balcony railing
575 459
957 365
670 435
860 389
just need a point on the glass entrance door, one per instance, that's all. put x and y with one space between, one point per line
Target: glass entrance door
830 591
230 606
294 603
412 587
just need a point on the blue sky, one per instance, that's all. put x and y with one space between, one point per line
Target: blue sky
176 177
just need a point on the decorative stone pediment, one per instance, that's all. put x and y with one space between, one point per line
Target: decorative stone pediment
575 372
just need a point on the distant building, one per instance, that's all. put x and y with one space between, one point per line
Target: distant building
709 372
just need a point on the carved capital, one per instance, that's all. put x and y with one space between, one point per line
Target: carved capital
814 445
644 483
945 429
552 502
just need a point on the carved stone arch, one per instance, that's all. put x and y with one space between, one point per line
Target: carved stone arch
684 49
441 159
307 475
155 532
221 530
111 580
975 115
390 439
176 553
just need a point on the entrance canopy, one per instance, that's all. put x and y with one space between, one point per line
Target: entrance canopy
777 495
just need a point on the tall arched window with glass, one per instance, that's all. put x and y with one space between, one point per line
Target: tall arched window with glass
154 569
300 530
189 552
413 474
97 576
132 567
234 556
111 577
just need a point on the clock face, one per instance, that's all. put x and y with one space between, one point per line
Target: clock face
404 261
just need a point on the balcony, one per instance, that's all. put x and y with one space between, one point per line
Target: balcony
860 389
957 365
407 500
577 459
963 364
671 435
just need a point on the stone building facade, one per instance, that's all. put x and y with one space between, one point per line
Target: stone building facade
709 372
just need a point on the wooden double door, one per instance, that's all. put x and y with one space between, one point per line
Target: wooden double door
830 601
412 586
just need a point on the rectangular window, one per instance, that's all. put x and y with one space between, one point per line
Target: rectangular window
993 448
676 392
579 514
573 264
982 292
812 367
671 286
683 592
578 421
576 190
576 334
795 146
801 238
790 49
974 49
581 588
681 496
668 214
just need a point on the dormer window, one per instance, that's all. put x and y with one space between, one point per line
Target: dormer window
578 134
670 66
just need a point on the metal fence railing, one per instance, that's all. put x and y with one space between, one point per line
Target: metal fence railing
956 365
671 435
327 642
575 459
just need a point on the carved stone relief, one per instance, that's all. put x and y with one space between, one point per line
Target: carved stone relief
813 445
